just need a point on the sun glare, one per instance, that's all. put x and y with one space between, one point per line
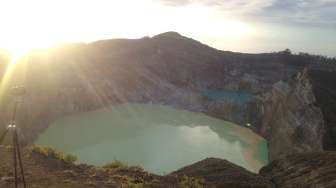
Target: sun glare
20 48
28 25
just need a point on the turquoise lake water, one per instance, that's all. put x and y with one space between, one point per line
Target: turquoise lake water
238 96
159 138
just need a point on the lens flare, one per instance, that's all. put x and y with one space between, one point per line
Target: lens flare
10 77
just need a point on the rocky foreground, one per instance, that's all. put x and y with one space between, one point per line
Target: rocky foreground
317 169
301 170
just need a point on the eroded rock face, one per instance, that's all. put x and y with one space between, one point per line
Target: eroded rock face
290 120
317 169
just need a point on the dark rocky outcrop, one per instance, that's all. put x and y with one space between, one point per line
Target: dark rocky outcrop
222 173
291 121
324 87
317 169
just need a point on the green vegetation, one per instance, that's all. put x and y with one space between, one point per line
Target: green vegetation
303 58
116 164
53 153
136 185
190 182
70 158
127 181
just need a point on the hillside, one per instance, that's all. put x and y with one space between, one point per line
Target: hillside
168 69
304 170
43 171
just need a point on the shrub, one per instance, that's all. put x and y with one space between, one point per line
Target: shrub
190 182
136 185
70 158
116 164
39 150
53 153
126 181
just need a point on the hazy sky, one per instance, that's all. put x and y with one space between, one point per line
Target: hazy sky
236 25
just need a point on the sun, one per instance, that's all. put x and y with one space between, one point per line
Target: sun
17 41
27 25
20 48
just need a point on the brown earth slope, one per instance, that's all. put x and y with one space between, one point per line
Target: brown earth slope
44 172
299 170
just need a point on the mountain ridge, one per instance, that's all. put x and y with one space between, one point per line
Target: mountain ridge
161 69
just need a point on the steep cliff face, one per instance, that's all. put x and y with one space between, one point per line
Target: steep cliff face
290 120
324 88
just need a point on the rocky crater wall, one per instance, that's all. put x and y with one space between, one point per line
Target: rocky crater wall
290 119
